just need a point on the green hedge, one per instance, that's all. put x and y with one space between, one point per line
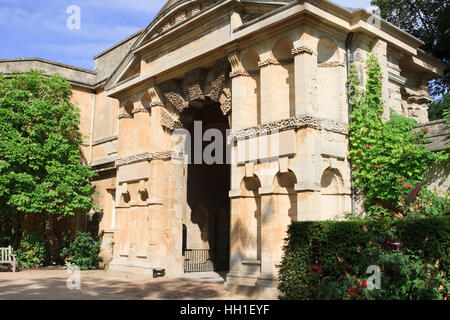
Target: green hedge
322 255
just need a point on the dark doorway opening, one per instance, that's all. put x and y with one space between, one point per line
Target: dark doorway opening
208 188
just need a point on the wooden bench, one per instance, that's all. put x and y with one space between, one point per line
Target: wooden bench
6 257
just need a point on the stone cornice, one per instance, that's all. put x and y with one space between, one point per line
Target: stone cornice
147 156
297 122
331 64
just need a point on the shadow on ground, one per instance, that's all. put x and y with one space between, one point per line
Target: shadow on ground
95 285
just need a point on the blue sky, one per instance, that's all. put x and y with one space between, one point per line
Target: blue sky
30 28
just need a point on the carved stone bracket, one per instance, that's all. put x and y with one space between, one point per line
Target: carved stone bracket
193 84
173 92
226 106
167 121
214 89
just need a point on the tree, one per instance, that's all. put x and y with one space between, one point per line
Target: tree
437 109
427 20
41 167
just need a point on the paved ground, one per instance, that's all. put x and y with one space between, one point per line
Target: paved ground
50 284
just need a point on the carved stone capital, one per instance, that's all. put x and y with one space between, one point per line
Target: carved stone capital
331 64
302 50
125 116
140 109
268 62
239 73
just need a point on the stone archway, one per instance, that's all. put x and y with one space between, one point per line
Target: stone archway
203 99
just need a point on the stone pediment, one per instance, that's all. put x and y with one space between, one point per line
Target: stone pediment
172 14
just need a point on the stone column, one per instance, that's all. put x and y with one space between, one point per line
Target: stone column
305 70
267 232
269 92
245 90
306 165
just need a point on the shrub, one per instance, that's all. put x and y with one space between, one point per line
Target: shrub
33 250
329 260
83 251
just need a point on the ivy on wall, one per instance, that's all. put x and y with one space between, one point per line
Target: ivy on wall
389 159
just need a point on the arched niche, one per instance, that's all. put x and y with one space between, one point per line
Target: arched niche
125 198
332 197
250 88
283 73
250 61
327 51
129 108
282 50
146 101
143 195
331 81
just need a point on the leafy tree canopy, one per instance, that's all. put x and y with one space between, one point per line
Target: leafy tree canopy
41 169
427 20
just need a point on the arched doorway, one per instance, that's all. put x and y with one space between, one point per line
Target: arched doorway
208 185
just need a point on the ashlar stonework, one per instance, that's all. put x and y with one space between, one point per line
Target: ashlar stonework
273 73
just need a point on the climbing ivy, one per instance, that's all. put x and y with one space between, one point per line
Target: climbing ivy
388 158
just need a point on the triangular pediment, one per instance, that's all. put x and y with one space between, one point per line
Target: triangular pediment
175 13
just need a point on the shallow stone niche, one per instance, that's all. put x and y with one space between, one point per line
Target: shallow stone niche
148 222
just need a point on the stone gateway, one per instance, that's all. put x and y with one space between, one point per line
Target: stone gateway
273 73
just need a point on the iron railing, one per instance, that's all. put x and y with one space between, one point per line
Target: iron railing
203 260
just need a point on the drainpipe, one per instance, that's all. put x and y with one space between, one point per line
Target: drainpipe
91 140
349 59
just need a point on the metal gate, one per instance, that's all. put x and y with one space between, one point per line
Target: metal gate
202 260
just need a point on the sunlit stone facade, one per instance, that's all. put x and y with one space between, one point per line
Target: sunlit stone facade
272 72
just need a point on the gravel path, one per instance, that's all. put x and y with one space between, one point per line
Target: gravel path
50 284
